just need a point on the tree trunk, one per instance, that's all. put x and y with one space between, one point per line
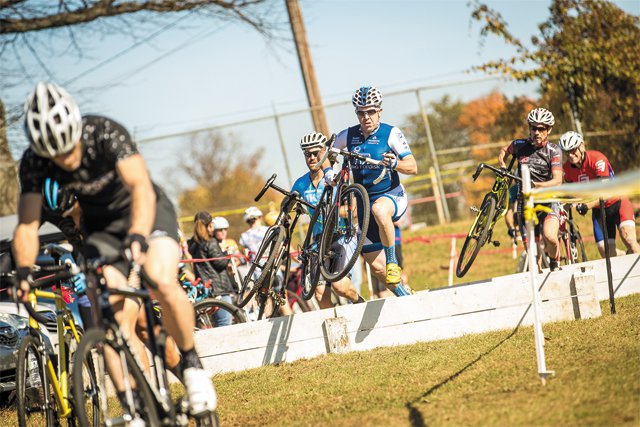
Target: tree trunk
8 171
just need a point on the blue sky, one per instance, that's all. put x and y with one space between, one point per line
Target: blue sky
196 76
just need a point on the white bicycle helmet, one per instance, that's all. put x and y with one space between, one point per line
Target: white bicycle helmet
220 223
570 140
252 213
313 140
367 96
52 120
541 116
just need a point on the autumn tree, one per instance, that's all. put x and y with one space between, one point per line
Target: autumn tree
586 61
225 178
8 171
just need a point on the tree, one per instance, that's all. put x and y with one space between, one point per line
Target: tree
586 61
57 28
225 177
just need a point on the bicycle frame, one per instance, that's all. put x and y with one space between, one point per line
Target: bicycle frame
65 322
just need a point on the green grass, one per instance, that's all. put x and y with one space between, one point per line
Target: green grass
487 379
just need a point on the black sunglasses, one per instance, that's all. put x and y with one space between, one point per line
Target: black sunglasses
309 154
367 113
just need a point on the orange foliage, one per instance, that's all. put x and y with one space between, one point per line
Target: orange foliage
479 117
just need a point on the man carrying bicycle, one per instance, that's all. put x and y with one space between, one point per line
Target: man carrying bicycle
585 165
310 186
388 198
544 161
95 158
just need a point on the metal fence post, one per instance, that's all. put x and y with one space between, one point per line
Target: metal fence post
434 157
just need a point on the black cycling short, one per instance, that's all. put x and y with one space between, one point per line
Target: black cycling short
107 242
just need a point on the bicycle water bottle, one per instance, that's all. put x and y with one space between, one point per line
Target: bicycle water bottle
34 375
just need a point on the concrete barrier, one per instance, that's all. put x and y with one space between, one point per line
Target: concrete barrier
499 303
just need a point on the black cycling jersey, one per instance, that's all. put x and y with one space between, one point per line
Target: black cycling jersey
541 160
102 195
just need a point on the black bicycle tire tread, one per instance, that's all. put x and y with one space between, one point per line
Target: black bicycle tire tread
244 300
89 339
482 237
364 227
307 265
236 312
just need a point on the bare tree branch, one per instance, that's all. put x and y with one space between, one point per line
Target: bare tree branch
15 20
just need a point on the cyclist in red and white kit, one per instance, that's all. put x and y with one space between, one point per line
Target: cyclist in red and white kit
544 159
585 165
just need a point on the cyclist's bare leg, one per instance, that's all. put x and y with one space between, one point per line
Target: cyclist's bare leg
344 289
172 354
550 233
613 250
161 266
383 210
628 236
323 295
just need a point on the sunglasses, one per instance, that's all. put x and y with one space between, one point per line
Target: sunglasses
367 113
309 154
539 128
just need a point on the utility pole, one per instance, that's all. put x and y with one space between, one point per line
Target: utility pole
306 66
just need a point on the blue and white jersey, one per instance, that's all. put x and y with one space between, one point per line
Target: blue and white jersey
386 138
311 194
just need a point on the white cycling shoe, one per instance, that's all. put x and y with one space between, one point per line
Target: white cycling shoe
200 392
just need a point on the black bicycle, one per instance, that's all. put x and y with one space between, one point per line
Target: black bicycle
274 253
128 394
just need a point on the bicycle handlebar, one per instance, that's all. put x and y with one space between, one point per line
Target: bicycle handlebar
292 194
498 171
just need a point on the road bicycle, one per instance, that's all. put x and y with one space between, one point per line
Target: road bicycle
43 385
129 394
493 207
570 243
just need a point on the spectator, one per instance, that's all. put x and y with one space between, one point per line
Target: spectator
214 268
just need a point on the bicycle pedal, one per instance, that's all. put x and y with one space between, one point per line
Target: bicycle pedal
474 209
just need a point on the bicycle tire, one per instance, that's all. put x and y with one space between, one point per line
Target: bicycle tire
476 238
331 232
92 347
311 266
263 299
204 313
272 242
38 398
91 383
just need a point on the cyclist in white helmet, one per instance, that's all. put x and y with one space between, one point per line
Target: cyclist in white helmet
95 157
544 159
310 186
588 165
388 198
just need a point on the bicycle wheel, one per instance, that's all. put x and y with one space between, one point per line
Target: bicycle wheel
206 313
578 252
476 237
35 394
210 420
263 261
90 387
135 401
343 234
309 263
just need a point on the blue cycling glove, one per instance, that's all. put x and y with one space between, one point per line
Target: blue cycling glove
79 283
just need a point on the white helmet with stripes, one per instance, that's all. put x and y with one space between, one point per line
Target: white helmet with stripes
570 141
52 120
313 140
367 96
541 116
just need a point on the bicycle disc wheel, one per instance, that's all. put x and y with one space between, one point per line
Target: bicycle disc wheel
36 404
263 261
476 237
343 234
208 311
111 362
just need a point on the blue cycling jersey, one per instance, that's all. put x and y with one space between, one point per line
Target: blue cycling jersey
384 139
311 194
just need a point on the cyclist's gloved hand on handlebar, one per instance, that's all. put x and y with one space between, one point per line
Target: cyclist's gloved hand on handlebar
329 174
390 160
79 283
581 208
134 245
21 291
